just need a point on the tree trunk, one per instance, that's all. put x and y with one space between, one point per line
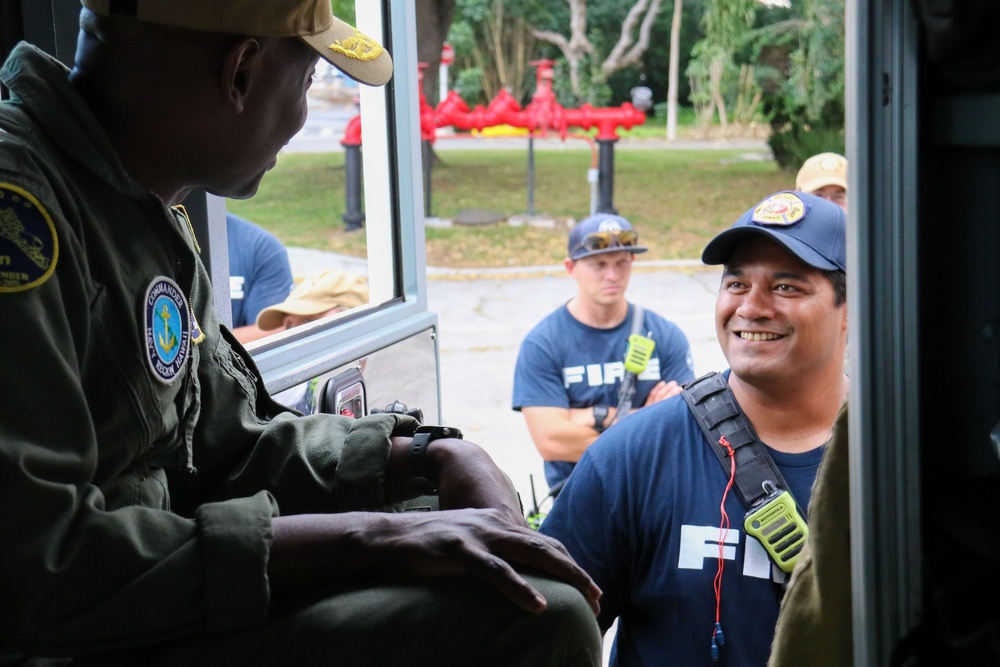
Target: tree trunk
675 59
720 103
577 46
433 22
626 52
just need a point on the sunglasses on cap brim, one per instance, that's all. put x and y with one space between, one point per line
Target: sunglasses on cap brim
604 240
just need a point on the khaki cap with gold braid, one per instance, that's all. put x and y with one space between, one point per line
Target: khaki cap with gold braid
343 46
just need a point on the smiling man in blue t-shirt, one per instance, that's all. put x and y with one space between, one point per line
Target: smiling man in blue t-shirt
641 512
571 365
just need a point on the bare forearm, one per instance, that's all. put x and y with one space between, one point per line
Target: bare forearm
313 551
560 434
567 438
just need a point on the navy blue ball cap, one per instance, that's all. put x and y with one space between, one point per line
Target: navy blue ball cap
812 228
602 233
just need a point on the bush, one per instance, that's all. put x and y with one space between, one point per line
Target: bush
793 144
469 84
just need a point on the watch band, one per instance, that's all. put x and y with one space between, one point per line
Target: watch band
422 438
600 414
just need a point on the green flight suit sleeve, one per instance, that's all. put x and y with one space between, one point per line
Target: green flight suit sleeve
815 625
103 549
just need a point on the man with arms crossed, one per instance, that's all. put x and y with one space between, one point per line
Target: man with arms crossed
571 365
158 507
641 512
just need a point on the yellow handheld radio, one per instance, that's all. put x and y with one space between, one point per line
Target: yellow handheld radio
776 522
640 351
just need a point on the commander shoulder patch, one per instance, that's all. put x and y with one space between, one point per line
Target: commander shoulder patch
29 247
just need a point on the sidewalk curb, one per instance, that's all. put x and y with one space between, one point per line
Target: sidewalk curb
525 272
307 260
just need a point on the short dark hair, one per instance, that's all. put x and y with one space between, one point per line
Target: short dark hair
838 279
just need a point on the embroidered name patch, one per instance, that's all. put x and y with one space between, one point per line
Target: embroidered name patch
357 47
783 208
29 247
168 328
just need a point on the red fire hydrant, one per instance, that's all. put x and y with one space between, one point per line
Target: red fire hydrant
543 114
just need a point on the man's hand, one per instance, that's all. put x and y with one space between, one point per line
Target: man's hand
483 544
313 550
480 531
661 391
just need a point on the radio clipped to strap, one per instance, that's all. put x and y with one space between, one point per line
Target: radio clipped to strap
773 517
637 356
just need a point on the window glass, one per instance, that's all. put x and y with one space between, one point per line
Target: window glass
300 249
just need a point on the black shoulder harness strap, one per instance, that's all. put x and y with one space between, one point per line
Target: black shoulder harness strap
627 389
719 415
638 318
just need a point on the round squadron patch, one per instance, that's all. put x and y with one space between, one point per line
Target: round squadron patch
29 247
168 328
784 208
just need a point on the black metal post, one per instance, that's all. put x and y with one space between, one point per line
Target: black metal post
427 159
531 174
606 176
354 218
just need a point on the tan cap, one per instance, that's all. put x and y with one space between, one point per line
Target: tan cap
356 55
317 294
820 171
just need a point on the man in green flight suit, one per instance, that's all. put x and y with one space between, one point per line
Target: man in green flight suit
158 507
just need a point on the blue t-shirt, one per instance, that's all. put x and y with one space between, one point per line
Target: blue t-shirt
640 514
564 363
259 272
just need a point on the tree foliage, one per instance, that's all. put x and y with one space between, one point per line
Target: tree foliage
494 47
343 10
743 60
807 111
805 99
620 45
720 85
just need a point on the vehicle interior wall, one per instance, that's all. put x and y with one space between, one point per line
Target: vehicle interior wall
959 199
922 85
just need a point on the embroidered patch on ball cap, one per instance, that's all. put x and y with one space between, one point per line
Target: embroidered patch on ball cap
783 208
29 247
358 47
830 163
167 328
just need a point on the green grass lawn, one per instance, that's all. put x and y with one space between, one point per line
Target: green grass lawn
677 199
